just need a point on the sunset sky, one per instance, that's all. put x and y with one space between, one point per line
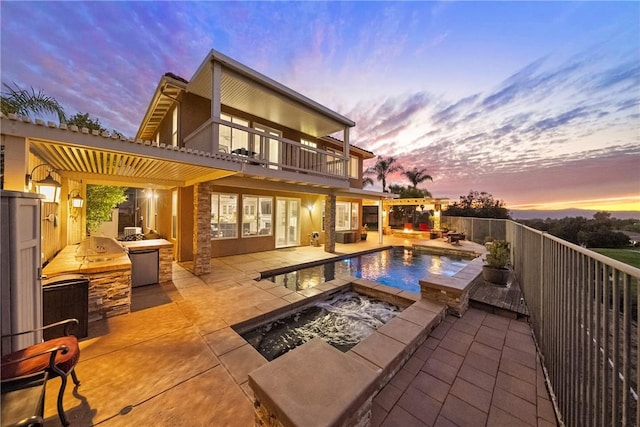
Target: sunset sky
537 103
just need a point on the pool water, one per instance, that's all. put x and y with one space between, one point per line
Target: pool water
342 321
400 268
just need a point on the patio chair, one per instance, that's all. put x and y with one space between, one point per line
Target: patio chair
57 356
424 227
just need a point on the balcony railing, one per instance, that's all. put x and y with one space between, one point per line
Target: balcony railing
584 314
271 151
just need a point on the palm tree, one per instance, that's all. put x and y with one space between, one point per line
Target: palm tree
367 181
416 176
383 168
26 102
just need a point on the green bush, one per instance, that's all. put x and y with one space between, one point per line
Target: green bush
498 254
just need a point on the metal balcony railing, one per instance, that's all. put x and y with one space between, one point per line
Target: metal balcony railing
584 314
252 146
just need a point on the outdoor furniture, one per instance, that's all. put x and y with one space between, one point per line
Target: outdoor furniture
56 357
346 237
454 238
23 400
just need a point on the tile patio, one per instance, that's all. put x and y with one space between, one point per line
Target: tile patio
174 361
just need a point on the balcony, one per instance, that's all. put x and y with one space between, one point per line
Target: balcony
270 152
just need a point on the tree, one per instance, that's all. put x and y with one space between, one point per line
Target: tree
367 181
383 168
100 200
479 205
84 121
416 176
27 102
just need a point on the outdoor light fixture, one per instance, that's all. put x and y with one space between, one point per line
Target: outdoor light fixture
48 187
76 201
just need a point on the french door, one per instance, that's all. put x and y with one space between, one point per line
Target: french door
287 222
268 148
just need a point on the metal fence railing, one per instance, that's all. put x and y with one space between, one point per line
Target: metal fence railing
476 229
583 311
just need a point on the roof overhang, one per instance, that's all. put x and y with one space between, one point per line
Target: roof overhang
247 90
98 159
164 97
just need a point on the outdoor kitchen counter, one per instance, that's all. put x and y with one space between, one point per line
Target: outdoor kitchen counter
109 281
65 262
144 245
165 255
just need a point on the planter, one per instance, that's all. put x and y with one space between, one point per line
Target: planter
363 236
497 276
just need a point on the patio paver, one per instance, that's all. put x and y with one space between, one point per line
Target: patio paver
176 361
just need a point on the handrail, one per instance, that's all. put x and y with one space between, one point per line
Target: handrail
584 315
292 155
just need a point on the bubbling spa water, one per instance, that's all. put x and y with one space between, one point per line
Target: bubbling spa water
342 321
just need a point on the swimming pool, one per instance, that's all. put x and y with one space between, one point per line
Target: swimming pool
398 267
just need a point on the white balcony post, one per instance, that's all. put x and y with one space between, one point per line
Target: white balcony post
345 151
216 77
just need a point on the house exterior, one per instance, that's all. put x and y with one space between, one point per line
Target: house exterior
231 162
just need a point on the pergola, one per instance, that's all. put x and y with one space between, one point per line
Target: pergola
422 203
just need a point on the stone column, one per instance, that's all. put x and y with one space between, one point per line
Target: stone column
330 224
201 229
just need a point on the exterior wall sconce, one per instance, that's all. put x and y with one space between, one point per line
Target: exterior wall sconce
76 201
48 187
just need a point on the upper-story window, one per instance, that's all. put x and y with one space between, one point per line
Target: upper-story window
174 127
232 138
354 167
308 143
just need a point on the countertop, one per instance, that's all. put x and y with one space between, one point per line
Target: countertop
65 262
143 245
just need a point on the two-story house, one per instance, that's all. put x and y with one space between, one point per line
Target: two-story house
232 162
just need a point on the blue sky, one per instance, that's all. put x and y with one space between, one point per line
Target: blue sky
537 103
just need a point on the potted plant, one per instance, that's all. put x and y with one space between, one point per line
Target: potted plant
363 232
495 268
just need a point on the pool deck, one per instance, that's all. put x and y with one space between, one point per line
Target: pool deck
175 361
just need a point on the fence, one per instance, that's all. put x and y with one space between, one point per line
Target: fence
583 310
476 229
584 313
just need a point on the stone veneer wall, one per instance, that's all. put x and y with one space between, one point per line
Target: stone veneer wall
201 229
330 224
456 300
166 265
109 294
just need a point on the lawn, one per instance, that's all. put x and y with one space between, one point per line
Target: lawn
628 256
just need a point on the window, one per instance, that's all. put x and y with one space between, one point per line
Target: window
343 216
174 214
174 127
232 138
354 216
152 208
224 216
257 216
354 167
308 144
347 215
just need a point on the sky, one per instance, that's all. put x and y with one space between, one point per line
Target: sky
536 103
